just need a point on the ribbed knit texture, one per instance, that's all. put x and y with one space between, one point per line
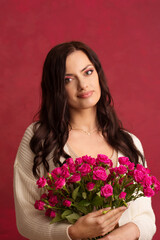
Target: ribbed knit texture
32 223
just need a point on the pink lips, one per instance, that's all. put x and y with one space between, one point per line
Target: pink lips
85 94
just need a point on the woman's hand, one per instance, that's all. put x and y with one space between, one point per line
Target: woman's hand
129 231
95 224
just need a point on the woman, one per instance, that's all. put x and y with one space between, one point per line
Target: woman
76 118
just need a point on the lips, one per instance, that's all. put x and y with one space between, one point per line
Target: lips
85 94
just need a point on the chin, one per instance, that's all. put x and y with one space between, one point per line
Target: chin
84 103
87 105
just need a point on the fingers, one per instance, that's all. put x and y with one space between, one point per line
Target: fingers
101 211
107 222
97 223
112 213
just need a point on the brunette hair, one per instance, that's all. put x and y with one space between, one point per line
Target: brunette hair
51 130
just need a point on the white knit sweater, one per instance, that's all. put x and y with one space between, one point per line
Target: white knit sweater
32 223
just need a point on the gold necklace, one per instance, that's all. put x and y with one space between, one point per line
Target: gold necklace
86 132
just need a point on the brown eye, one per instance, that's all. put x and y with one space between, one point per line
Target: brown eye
89 72
67 80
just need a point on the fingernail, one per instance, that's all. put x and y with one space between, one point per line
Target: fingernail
104 212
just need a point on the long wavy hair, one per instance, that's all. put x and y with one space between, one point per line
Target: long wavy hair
51 130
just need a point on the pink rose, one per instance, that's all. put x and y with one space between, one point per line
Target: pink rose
56 173
148 192
89 160
90 186
138 175
50 213
65 165
44 196
78 161
59 183
75 178
101 158
41 182
53 200
122 195
39 205
147 181
66 203
84 169
54 176
131 166
154 179
72 168
121 169
124 160
113 170
142 169
65 172
69 161
157 186
106 191
99 173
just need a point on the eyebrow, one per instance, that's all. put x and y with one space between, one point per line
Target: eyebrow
89 65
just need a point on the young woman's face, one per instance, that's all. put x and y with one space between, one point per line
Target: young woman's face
81 81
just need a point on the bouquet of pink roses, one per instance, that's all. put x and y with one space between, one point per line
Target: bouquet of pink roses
79 187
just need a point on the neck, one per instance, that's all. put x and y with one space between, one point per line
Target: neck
85 119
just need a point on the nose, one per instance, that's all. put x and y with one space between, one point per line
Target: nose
82 83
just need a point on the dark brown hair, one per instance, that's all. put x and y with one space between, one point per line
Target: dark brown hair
51 130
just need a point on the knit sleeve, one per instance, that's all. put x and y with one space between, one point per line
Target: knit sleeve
31 223
140 211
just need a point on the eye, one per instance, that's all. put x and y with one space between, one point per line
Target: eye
67 80
89 72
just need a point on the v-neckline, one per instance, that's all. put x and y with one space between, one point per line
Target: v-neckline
74 155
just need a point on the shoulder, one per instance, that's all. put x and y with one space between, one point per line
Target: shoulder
25 156
28 134
29 131
138 146
137 142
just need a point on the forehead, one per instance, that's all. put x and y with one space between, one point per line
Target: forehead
77 61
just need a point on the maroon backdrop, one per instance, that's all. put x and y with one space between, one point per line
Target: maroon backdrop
126 36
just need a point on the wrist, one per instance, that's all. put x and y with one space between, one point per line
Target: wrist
134 230
72 233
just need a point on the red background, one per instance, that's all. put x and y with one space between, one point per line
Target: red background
126 36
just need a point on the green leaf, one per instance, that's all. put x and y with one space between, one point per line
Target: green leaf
72 218
84 203
98 193
97 201
66 213
130 189
56 219
84 195
75 193
80 208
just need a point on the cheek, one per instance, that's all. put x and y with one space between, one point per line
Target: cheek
70 93
97 86
99 92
